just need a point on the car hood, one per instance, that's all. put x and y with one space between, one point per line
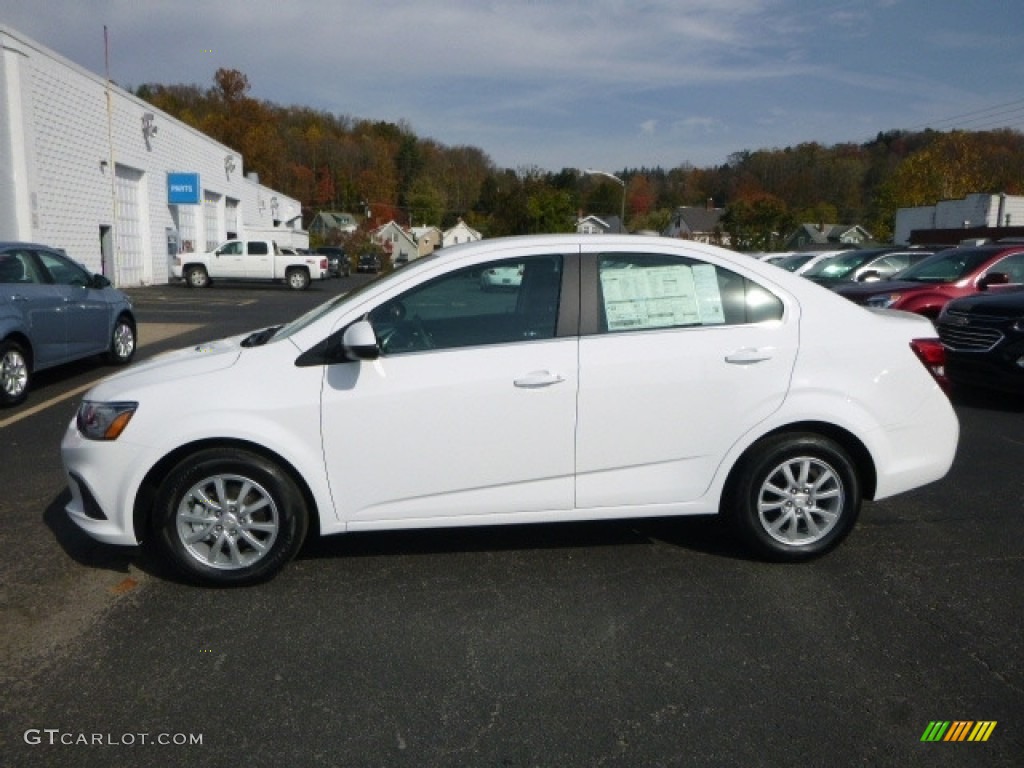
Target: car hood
170 366
1003 304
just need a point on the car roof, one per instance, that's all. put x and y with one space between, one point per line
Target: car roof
4 245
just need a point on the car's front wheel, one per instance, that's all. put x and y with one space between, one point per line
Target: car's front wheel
229 517
122 342
14 373
796 496
197 277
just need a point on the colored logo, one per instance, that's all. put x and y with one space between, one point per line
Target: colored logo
958 730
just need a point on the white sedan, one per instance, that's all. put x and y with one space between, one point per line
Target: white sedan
622 377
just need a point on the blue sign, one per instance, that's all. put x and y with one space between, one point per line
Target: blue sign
183 189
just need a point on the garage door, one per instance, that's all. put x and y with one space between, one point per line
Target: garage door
211 219
129 263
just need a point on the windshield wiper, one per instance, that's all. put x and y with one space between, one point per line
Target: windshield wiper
260 338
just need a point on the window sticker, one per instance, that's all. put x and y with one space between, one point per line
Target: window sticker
661 297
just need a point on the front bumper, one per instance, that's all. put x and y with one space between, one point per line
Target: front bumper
101 497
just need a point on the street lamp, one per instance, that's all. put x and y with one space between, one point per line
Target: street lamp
613 177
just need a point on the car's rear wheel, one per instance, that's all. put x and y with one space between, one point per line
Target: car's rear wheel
228 517
196 277
796 496
298 279
122 342
14 373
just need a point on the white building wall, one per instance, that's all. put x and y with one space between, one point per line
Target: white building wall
1011 213
909 219
977 210
971 211
59 146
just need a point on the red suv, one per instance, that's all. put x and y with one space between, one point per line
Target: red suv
926 286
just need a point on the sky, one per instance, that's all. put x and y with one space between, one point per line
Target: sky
599 84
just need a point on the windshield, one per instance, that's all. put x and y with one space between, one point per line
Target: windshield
946 266
838 266
793 263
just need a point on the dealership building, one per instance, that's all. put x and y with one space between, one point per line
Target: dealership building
120 186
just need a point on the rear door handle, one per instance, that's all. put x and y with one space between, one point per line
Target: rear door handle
538 379
748 355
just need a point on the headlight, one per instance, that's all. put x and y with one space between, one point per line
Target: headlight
104 421
883 302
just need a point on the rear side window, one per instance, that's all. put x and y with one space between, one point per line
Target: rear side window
258 248
650 291
17 267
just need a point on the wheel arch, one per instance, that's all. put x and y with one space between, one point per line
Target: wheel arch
142 512
128 315
23 341
857 451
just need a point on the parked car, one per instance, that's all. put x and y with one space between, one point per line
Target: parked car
799 263
54 311
623 376
984 340
926 286
337 261
368 262
772 257
501 278
249 260
865 265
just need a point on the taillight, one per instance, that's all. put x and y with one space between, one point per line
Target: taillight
933 355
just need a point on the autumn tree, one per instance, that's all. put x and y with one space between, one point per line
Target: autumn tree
758 222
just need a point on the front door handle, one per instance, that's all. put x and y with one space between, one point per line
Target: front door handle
748 355
537 379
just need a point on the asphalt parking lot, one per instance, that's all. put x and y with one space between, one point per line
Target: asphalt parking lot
642 643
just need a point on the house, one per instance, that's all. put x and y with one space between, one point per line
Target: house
428 239
703 224
460 233
396 241
820 237
592 225
327 222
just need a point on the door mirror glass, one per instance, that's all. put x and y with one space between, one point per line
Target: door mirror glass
993 278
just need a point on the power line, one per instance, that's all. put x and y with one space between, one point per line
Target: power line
974 116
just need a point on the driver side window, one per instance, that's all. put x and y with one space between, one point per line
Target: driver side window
63 271
496 303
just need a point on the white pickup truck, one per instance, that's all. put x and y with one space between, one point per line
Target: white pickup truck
249 260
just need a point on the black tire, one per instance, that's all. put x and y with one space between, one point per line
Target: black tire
15 373
122 342
297 279
795 497
197 277
204 527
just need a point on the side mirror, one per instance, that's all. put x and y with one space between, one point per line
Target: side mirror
360 342
99 281
869 277
993 278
